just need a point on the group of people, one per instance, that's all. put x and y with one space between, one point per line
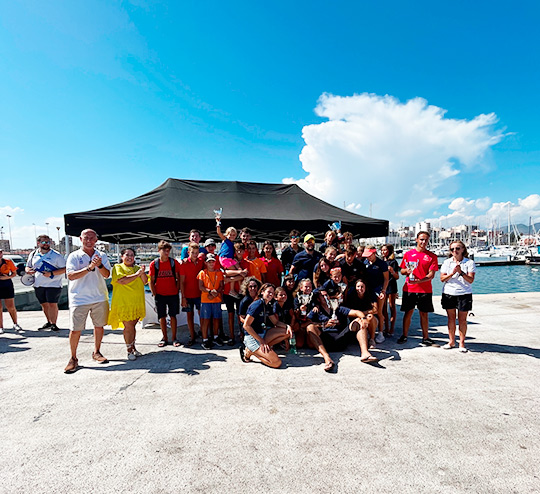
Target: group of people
323 299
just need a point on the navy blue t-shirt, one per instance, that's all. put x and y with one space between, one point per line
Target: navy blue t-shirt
374 273
321 316
304 264
244 304
260 313
282 313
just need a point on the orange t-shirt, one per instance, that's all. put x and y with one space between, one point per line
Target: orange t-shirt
8 267
211 280
256 267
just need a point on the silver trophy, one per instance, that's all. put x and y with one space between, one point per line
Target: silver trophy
342 287
412 266
218 213
333 303
305 299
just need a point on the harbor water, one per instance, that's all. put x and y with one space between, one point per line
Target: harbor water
496 279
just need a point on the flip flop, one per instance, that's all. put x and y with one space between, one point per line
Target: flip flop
163 343
176 343
369 360
329 367
242 350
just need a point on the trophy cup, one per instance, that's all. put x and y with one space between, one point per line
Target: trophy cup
218 213
333 304
304 298
342 287
411 265
335 226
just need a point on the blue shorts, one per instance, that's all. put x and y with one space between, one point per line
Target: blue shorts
251 343
192 303
211 310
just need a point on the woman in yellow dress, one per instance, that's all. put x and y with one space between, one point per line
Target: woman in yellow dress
128 304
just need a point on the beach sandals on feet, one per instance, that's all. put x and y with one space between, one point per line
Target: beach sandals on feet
448 346
369 360
244 356
162 343
329 367
176 343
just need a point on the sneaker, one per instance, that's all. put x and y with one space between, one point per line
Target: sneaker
226 340
47 325
402 339
99 358
231 342
191 342
54 327
462 349
207 345
17 328
137 353
427 342
218 341
71 366
132 356
379 338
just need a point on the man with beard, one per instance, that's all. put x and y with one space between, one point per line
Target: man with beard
47 266
304 262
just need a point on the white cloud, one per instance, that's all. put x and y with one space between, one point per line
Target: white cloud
394 156
481 211
24 231
520 212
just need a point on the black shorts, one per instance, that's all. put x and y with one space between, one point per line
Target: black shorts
232 303
7 290
424 302
337 341
47 294
463 303
170 301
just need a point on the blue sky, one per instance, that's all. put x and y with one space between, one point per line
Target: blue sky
367 105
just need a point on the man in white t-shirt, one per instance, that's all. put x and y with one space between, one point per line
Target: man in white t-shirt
47 266
87 269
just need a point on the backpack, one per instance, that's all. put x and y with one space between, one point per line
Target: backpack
156 270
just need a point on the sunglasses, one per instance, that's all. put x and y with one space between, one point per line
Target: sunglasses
45 242
455 249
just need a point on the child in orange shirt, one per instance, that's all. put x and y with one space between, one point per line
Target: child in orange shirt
211 286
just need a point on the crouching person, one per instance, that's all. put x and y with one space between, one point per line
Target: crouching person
263 330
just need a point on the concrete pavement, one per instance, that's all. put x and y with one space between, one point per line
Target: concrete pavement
189 420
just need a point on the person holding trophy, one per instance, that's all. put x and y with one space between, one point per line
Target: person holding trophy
420 266
329 329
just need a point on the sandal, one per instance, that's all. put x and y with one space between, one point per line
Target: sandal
191 342
176 343
369 360
243 351
162 343
329 367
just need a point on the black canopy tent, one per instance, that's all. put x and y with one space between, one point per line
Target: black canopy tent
175 207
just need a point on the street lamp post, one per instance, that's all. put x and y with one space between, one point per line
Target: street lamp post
58 231
9 226
47 229
35 233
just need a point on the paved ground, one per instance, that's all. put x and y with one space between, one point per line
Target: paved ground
187 420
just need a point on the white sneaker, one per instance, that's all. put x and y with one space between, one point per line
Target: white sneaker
17 328
379 338
132 356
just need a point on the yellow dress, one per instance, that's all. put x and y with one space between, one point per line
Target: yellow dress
128 302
